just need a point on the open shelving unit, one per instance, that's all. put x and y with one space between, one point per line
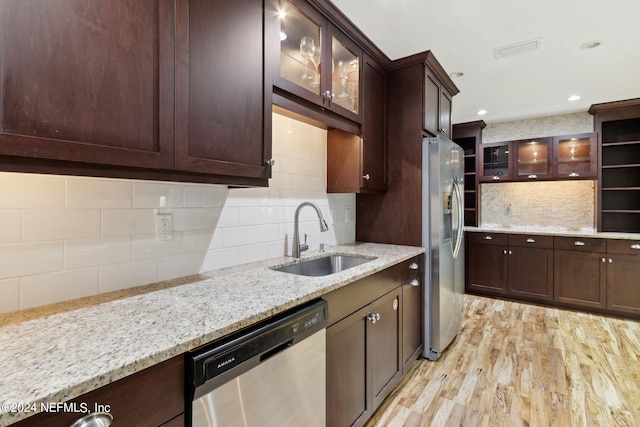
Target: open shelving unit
618 126
469 137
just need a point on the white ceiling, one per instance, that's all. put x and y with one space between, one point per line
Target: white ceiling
463 33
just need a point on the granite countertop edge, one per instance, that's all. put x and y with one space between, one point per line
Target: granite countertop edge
58 357
554 231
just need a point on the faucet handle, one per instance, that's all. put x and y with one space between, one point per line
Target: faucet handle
304 246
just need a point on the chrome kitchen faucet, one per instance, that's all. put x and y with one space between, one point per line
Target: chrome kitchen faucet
297 247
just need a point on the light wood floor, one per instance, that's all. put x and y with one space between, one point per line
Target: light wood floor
523 365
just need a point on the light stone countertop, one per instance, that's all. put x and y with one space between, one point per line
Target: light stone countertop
57 357
553 231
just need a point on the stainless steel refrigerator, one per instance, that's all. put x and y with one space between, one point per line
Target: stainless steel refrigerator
443 238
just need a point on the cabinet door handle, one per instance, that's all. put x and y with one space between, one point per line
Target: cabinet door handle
574 174
487 238
533 176
604 260
366 177
578 243
495 178
373 317
442 130
530 240
610 260
271 162
415 283
413 266
635 246
510 253
504 251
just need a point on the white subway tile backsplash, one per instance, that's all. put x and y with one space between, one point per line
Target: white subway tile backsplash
56 287
92 193
237 236
29 191
31 258
220 258
119 222
95 252
252 253
146 246
10 226
211 196
115 277
157 195
46 224
179 265
10 292
67 237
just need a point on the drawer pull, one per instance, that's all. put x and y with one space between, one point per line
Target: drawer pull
413 266
530 240
415 283
578 243
635 246
532 176
95 419
495 178
487 237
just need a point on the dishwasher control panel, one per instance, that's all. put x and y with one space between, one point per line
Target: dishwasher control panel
216 363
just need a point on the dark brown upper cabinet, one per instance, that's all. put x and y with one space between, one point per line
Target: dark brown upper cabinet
172 90
223 105
549 158
532 159
317 62
88 81
358 164
575 156
437 106
495 162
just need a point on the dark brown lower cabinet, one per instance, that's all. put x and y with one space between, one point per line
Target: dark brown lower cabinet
623 273
151 397
530 269
579 274
363 361
487 263
514 265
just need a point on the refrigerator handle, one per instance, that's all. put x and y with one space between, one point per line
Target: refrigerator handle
458 194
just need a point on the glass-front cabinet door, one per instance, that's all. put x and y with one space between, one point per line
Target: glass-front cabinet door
495 162
301 47
345 74
317 62
533 158
574 156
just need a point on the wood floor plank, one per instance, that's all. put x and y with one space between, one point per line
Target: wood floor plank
517 364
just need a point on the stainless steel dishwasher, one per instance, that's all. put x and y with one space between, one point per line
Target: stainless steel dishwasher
272 374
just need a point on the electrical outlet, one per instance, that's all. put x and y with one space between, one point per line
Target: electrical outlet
164 226
333 216
347 214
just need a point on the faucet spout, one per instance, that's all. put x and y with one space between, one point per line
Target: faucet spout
297 246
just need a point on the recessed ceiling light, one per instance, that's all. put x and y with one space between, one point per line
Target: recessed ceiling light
573 98
591 45
482 112
456 74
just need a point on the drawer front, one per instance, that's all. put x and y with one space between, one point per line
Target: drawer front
625 247
488 238
580 244
412 268
531 240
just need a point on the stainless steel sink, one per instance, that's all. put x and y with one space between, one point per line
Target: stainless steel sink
324 266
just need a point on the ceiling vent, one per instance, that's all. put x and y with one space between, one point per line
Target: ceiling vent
517 48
